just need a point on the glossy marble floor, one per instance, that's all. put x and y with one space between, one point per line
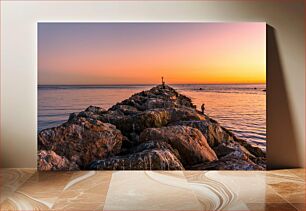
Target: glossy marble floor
27 189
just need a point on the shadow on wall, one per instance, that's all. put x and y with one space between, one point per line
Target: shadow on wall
281 141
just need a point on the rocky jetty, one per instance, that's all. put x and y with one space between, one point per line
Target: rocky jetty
158 129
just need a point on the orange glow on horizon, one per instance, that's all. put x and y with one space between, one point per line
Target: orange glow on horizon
186 53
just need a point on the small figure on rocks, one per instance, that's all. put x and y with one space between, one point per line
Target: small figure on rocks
163 82
203 108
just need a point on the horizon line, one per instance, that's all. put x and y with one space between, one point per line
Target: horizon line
149 84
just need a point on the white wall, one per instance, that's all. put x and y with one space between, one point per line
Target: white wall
19 62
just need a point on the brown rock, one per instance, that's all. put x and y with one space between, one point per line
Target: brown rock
96 110
234 161
152 159
256 151
155 118
157 97
226 148
130 125
189 142
49 160
125 109
82 140
92 112
184 114
212 131
153 103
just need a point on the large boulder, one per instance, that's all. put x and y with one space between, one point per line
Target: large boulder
132 125
254 150
184 114
154 118
189 142
82 140
125 109
152 159
96 110
49 160
235 160
153 103
92 112
219 137
235 154
212 131
154 145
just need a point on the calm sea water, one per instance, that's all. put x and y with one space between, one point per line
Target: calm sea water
240 108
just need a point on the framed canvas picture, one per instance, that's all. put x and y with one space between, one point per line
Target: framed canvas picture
151 96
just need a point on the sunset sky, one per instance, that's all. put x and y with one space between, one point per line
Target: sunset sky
140 53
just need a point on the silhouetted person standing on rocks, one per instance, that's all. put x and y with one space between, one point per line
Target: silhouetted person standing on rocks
203 108
163 82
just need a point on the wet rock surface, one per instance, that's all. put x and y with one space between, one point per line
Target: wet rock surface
158 129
